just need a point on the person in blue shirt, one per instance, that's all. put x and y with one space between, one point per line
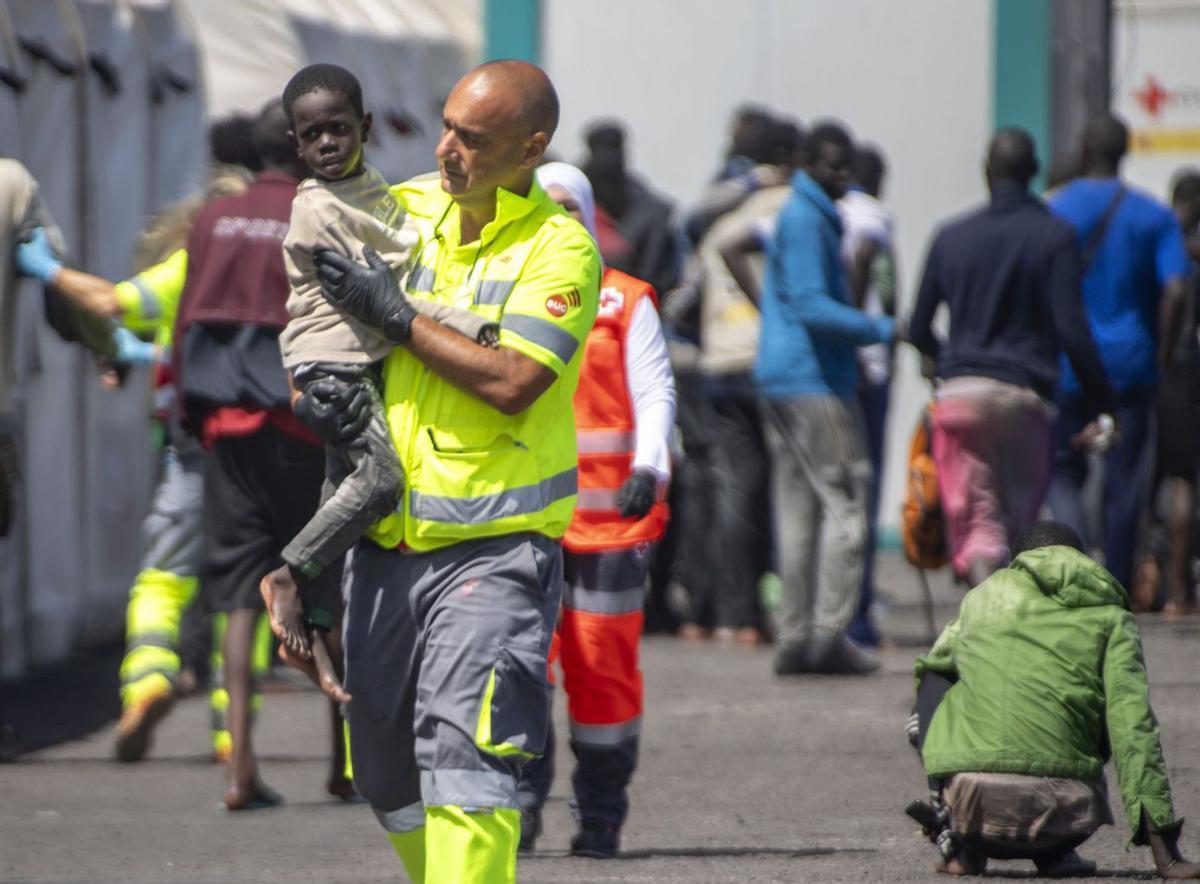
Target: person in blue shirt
808 376
1133 290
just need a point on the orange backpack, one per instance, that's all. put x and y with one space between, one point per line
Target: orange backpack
922 523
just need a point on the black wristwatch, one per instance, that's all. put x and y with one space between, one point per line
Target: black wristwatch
397 328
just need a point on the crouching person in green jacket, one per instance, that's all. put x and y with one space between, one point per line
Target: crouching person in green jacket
1019 704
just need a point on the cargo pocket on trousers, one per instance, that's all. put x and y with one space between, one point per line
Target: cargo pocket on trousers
514 712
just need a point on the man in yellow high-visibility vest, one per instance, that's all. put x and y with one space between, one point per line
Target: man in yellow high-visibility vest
453 598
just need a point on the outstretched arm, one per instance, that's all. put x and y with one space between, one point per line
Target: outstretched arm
804 282
36 258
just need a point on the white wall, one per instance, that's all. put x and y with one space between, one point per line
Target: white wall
912 77
1154 44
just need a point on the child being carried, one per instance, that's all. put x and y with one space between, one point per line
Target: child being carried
345 207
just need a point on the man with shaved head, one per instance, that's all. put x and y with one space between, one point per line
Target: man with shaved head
1010 275
453 598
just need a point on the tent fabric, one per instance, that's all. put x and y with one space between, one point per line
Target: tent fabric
118 461
12 74
12 583
407 53
50 372
179 149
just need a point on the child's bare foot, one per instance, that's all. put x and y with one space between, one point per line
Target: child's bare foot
282 598
327 677
254 795
323 676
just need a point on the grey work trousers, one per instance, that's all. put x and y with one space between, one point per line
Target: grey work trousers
820 480
446 661
363 480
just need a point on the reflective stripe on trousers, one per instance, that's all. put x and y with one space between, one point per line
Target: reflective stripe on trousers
599 635
157 601
601 628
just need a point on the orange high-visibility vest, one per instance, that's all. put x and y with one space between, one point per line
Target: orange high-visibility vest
605 422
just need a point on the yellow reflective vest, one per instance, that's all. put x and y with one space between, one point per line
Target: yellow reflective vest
470 470
150 300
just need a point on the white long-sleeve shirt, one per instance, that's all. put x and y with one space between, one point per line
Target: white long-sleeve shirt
651 390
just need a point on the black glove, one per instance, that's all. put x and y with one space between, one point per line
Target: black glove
369 294
637 494
336 411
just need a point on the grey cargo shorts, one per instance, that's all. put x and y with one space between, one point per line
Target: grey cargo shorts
446 662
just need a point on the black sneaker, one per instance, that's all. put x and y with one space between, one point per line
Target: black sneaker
531 828
596 840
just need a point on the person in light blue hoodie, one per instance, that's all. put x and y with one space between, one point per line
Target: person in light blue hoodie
808 377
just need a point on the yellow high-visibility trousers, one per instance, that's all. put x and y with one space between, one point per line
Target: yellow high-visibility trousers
460 847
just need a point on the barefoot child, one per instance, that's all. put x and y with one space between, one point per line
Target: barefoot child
344 207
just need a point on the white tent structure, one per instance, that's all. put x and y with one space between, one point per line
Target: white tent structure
407 53
117 479
52 374
107 102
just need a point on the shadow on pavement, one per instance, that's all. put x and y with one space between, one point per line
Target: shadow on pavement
1101 874
676 852
63 702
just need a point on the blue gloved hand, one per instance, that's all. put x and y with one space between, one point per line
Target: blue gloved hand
370 294
36 257
131 350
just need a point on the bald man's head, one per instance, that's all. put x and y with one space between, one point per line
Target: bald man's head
1012 158
527 86
496 126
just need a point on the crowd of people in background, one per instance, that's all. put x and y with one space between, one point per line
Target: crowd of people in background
1106 281
1067 366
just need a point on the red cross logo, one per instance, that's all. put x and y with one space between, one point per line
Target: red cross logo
1152 96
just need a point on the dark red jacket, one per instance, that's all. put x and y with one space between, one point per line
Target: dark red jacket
234 302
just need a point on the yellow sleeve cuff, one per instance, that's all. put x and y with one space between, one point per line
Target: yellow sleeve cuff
537 353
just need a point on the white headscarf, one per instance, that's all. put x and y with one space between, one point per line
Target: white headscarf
574 182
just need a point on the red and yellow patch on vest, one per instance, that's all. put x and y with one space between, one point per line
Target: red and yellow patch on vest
558 305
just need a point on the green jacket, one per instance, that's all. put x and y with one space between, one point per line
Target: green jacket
1048 662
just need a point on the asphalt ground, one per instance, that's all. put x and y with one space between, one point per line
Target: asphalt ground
744 778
